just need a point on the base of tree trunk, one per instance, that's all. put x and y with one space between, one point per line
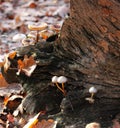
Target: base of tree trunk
88 54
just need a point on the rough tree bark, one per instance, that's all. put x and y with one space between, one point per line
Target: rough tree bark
88 54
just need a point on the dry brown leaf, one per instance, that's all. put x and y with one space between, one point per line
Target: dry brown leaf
32 122
12 102
1 64
6 62
28 65
3 82
50 123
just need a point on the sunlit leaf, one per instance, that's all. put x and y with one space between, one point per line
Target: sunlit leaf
27 66
32 122
6 63
6 100
12 55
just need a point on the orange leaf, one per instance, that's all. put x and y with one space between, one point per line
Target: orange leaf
32 122
20 64
3 82
1 64
28 65
6 99
50 123
12 55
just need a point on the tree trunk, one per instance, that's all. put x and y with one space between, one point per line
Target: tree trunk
88 54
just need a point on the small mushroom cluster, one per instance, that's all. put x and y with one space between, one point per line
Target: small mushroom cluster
37 31
60 80
92 91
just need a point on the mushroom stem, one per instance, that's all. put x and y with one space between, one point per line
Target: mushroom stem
60 88
63 86
37 37
92 94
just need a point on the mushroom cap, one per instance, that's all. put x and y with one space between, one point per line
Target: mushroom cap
92 90
18 37
93 125
62 79
54 79
37 27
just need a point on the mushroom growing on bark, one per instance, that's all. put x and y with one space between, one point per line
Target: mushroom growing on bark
57 80
92 91
62 80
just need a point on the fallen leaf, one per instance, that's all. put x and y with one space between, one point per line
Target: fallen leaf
6 100
27 66
6 62
32 122
12 55
12 102
3 82
50 123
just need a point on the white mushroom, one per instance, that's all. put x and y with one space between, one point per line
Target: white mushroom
93 125
18 37
56 81
92 90
62 80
